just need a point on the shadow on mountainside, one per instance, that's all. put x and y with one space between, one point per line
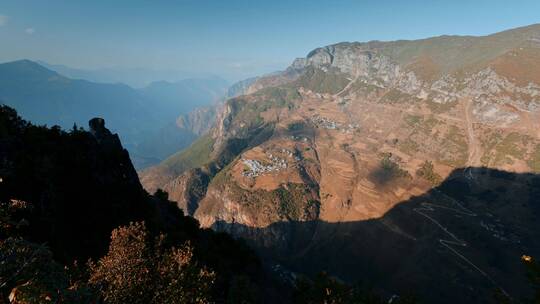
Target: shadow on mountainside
457 243
66 191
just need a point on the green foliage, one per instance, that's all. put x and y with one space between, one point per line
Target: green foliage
502 149
408 146
288 206
293 202
197 155
426 171
313 204
320 81
456 145
394 96
454 53
247 113
534 160
511 145
488 144
389 170
296 126
277 96
392 168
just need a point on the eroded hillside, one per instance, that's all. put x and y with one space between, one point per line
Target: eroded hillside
350 131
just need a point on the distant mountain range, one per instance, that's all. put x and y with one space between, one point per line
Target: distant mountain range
138 115
185 95
134 77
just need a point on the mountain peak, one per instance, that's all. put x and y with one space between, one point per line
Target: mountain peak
350 133
27 68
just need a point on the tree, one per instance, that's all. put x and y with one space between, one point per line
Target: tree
13 215
124 275
28 273
426 171
181 280
139 269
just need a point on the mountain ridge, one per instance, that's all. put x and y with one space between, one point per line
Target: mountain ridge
64 199
134 77
140 116
351 131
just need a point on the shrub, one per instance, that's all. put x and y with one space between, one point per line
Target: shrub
426 172
139 269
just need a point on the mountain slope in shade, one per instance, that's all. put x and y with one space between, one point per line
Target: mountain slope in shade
459 236
177 135
140 116
354 131
67 191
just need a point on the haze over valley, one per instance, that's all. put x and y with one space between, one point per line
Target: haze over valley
350 157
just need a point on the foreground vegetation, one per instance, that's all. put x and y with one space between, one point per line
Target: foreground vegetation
77 227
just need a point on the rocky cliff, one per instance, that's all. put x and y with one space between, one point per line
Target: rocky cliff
354 130
73 181
62 194
199 121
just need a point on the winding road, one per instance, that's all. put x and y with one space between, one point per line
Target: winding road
454 240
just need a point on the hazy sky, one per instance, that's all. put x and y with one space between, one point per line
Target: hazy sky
234 39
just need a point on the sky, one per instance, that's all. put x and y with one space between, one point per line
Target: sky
234 39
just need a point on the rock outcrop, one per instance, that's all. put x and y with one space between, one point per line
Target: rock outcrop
74 180
349 133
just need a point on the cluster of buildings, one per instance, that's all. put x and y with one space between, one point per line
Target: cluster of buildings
326 123
255 168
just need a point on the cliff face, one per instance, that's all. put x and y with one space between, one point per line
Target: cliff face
353 130
73 181
348 107
240 87
176 135
199 121
66 192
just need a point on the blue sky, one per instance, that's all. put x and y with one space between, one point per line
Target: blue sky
231 38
